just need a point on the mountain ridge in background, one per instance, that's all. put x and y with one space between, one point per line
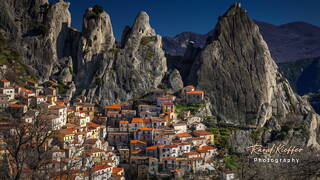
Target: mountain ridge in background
287 42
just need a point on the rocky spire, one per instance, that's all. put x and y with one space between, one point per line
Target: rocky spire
133 70
240 77
142 25
97 33
140 28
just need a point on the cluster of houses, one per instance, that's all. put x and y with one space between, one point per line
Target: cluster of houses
117 140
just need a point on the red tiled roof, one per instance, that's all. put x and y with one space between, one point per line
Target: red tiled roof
16 105
114 106
124 122
195 92
117 170
152 147
137 120
189 87
183 135
100 167
137 141
208 147
201 132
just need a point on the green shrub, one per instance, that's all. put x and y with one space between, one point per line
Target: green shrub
146 40
97 9
230 161
255 134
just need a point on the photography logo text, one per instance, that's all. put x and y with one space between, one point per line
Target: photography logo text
275 154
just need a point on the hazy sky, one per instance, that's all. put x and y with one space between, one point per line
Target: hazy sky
171 17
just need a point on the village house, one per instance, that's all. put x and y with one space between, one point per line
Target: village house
4 101
180 128
197 126
8 91
118 139
161 140
136 123
156 123
183 136
170 150
136 144
152 151
124 126
124 155
153 110
101 172
195 97
200 133
197 141
228 175
36 100
128 114
59 111
118 174
168 107
4 84
161 100
114 107
145 134
187 89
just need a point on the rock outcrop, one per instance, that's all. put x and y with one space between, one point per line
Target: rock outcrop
238 74
130 71
40 32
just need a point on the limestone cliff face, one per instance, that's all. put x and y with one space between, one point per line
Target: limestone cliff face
39 30
241 79
129 71
97 35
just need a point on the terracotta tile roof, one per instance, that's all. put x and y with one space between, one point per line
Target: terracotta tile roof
60 103
17 105
145 129
152 147
208 147
178 170
201 132
170 146
114 106
99 167
195 92
137 141
163 99
169 158
183 135
137 120
117 170
202 150
91 124
196 138
191 153
189 87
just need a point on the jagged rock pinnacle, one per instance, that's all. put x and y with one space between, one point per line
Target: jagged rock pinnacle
141 24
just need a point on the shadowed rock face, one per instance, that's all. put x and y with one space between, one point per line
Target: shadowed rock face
39 31
240 77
